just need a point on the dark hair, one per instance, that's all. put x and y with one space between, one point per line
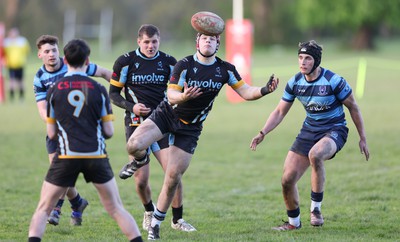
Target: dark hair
148 29
76 52
311 48
46 39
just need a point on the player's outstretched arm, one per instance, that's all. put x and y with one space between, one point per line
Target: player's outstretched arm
104 73
271 85
274 119
248 92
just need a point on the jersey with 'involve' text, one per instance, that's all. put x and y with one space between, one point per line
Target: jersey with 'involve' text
144 79
210 78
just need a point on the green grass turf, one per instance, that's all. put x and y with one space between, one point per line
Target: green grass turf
231 193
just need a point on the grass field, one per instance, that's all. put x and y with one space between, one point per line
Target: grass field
231 193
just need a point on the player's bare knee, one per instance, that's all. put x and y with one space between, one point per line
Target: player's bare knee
317 158
136 143
179 186
141 185
314 157
174 179
132 146
288 181
286 186
113 211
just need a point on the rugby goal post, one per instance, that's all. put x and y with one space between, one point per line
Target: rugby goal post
102 31
239 45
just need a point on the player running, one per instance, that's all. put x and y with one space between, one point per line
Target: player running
53 69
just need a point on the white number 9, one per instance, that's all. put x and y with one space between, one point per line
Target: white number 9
76 98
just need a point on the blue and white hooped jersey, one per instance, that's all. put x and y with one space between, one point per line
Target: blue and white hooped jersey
44 79
321 98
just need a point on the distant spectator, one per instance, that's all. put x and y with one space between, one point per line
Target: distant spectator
16 49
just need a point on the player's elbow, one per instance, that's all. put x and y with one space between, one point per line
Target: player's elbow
107 135
108 130
52 135
174 97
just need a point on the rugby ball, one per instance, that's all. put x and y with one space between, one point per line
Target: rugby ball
208 23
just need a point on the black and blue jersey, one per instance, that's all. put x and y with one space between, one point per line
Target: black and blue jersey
210 78
78 105
144 81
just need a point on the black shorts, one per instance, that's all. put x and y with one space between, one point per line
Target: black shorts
156 146
65 172
183 136
17 73
306 139
51 145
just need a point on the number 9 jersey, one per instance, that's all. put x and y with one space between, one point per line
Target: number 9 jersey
79 105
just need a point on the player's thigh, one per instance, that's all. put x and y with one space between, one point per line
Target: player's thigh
178 161
294 167
324 149
109 194
50 194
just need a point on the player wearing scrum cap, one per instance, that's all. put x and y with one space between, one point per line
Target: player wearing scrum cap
323 134
195 83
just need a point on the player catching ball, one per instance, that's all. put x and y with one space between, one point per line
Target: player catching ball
195 83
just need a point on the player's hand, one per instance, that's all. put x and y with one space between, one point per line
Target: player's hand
141 110
256 140
271 85
190 92
364 149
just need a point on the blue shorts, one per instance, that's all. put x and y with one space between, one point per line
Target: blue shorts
65 172
183 136
307 138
